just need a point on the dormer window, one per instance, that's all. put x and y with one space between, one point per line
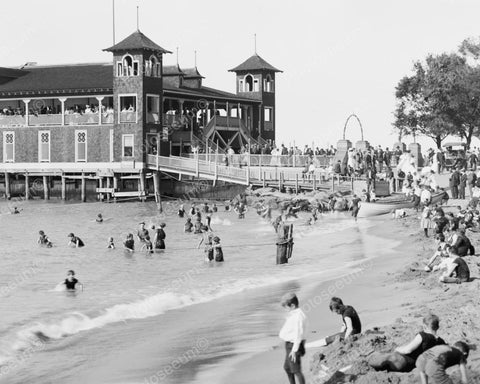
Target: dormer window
127 66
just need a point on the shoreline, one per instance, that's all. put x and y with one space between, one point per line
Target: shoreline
371 292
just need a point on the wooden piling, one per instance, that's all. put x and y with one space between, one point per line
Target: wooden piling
64 187
84 188
100 185
108 186
27 187
156 186
141 177
296 183
7 186
46 190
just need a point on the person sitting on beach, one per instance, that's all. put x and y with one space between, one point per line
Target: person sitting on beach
110 244
71 281
441 222
99 218
129 243
440 253
351 321
294 333
43 240
463 244
147 245
457 268
217 249
403 358
160 235
142 233
74 241
188 226
433 363
445 196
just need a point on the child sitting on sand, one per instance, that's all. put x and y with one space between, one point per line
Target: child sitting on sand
457 270
433 363
403 359
440 253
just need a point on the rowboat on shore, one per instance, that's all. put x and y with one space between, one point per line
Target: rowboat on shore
390 204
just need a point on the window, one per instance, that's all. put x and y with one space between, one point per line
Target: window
241 86
127 145
128 66
153 109
268 114
268 84
8 147
44 146
256 87
127 108
152 67
119 68
248 83
80 146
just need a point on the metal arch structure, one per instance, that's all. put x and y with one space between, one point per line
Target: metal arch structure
346 123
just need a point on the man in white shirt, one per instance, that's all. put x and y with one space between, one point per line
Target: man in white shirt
425 195
294 333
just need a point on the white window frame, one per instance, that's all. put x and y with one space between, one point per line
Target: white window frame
40 146
77 160
270 114
256 85
241 86
245 83
119 68
158 100
133 144
120 107
5 160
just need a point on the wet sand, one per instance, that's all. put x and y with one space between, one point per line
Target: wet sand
391 295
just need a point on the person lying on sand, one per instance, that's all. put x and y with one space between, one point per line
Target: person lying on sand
458 271
433 363
404 357
351 322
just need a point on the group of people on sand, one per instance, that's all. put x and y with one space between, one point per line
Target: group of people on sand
426 351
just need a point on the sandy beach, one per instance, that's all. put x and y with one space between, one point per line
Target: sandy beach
391 295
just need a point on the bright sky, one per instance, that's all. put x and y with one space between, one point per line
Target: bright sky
339 57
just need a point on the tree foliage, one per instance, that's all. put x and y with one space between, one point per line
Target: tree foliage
442 96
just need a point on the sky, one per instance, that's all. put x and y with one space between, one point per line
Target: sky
338 57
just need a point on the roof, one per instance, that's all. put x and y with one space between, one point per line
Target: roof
11 72
137 40
172 70
93 79
192 73
254 63
66 78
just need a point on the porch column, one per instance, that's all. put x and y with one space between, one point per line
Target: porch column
27 189
260 120
27 112
214 108
228 114
250 113
100 98
180 103
62 101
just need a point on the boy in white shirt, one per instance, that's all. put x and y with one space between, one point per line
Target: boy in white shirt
294 333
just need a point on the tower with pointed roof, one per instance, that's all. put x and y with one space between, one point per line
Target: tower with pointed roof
256 80
137 96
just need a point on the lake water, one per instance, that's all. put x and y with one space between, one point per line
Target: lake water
167 317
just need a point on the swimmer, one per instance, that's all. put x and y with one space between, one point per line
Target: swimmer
188 226
142 232
181 211
197 227
209 219
147 245
207 238
160 235
99 218
75 241
205 208
217 249
192 210
16 211
44 240
129 243
110 244
71 281
355 206
214 208
227 205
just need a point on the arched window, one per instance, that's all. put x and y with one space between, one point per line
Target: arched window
268 84
248 83
152 67
127 65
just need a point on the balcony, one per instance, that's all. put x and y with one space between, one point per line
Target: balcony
42 120
85 119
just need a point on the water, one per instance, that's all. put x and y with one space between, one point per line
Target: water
142 318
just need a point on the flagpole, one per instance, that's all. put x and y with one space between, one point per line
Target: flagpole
113 20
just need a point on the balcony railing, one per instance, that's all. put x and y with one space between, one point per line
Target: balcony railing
128 117
107 118
176 121
85 119
12 121
41 120
244 159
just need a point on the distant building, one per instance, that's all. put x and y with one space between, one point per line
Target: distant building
106 118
